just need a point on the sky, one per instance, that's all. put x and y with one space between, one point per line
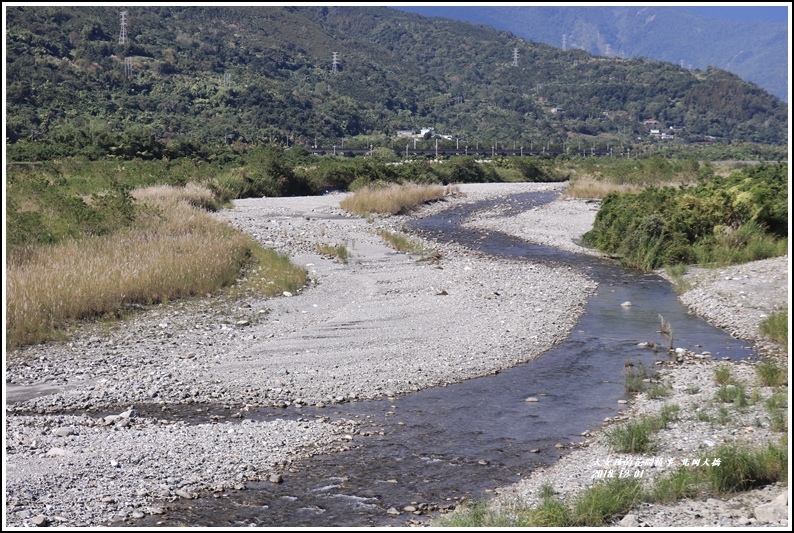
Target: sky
770 13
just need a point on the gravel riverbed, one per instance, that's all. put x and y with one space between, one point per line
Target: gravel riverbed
79 452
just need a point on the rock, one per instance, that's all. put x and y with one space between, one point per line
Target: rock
534 450
275 478
183 494
64 431
626 304
57 452
40 521
409 508
774 511
531 399
392 511
630 520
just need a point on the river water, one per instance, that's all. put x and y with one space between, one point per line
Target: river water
437 447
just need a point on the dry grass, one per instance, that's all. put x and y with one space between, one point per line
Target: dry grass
392 199
192 193
587 187
173 251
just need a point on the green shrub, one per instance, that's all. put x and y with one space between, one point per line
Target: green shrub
683 483
722 375
733 393
725 220
668 413
632 437
635 377
770 373
657 390
741 468
600 503
775 327
550 513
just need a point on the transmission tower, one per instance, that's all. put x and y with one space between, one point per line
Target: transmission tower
515 57
128 66
123 31
335 61
227 79
564 41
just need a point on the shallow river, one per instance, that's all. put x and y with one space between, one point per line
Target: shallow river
462 441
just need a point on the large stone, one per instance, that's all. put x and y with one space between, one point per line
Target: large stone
773 511
630 520
64 431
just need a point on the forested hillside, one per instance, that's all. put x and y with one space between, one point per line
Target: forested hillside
193 76
756 50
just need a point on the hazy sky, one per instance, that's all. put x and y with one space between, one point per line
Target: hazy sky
773 13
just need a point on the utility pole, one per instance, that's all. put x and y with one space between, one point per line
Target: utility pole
123 31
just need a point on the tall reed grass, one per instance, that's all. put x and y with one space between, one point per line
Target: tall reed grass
174 250
391 199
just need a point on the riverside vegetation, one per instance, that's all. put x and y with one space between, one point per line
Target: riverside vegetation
125 233
117 219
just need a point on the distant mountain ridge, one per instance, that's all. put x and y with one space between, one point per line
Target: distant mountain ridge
756 51
313 75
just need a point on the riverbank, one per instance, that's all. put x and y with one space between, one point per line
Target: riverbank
94 425
91 435
737 299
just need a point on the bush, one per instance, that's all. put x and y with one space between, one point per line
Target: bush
743 468
726 220
633 437
600 503
775 327
770 373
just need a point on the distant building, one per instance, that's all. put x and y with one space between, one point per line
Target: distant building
405 133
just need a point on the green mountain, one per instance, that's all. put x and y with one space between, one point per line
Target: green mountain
757 51
317 75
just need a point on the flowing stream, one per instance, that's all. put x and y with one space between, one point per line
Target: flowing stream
443 445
